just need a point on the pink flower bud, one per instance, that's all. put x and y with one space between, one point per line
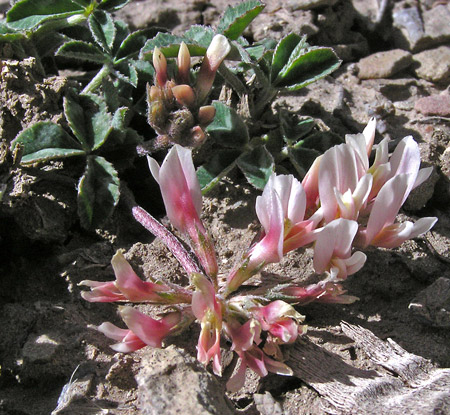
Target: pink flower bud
215 54
184 95
160 65
184 64
206 114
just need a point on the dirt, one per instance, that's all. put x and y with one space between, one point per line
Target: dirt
52 361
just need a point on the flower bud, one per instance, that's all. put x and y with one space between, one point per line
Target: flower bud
160 64
206 114
215 54
184 64
184 95
198 136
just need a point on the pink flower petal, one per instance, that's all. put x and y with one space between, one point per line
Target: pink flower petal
150 331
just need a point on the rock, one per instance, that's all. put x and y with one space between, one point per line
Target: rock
266 404
415 33
436 23
433 64
310 4
383 64
172 382
432 305
147 13
420 196
438 104
410 33
277 23
40 348
370 14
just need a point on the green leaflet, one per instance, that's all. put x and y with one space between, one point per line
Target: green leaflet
228 129
77 49
257 166
98 192
102 28
46 141
236 19
27 14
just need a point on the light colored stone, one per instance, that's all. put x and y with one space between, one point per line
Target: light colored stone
437 24
433 64
383 64
410 31
416 31
171 382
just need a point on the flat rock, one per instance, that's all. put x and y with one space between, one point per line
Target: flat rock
171 382
410 30
433 64
432 305
384 64
416 31
436 24
438 104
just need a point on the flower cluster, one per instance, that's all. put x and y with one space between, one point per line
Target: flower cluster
175 108
343 204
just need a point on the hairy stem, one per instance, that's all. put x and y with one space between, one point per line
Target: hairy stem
96 80
174 245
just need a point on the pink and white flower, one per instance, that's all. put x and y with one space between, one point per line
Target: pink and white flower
215 54
207 309
255 359
381 230
129 287
142 330
182 198
279 319
333 249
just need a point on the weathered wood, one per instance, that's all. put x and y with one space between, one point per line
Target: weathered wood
415 386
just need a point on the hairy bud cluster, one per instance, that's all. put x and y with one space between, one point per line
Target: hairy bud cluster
175 109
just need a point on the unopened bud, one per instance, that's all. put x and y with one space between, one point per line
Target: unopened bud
206 114
168 92
215 54
217 51
160 64
184 64
157 112
184 95
154 93
198 136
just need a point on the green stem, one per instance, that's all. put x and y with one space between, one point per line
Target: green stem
218 178
96 80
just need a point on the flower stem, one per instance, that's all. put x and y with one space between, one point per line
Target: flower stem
174 245
96 80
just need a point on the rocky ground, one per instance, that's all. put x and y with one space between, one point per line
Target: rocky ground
396 67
